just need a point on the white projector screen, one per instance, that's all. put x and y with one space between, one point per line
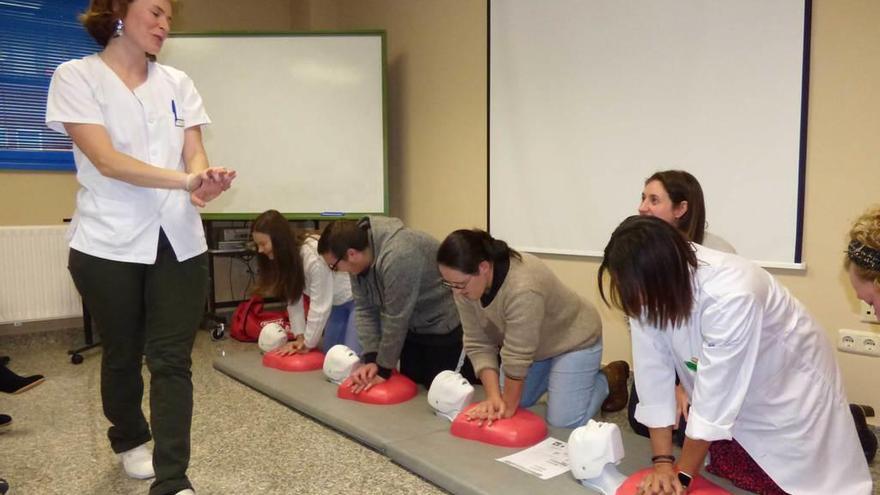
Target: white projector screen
587 98
299 117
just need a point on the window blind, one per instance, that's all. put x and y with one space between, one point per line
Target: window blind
35 37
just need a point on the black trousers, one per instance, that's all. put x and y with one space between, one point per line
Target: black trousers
424 356
149 311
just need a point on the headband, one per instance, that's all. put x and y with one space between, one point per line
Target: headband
864 256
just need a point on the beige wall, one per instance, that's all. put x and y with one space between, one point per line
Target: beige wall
436 102
36 198
236 15
437 54
437 146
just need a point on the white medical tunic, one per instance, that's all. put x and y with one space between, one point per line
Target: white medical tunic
758 368
115 220
325 289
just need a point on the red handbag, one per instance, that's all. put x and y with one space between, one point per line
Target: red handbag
249 319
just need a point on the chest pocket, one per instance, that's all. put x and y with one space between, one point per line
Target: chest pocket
162 113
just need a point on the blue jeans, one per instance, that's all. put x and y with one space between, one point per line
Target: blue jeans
340 328
576 387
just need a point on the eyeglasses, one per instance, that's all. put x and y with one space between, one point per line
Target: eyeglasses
456 285
333 265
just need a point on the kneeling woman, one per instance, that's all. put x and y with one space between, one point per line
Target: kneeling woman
764 388
548 336
290 266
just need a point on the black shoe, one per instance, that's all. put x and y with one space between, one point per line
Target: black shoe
866 436
4 360
5 422
14 384
4 486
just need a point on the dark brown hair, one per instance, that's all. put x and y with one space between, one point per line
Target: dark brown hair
340 236
650 265
682 186
282 276
464 250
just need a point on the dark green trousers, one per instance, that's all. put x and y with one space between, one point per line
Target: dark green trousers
147 311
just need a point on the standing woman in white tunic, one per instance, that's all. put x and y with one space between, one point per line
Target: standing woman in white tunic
137 247
758 368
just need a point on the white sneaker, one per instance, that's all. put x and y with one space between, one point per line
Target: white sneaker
188 491
138 463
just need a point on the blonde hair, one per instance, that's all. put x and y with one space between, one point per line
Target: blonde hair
863 254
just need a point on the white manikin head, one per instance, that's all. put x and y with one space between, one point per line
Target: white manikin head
449 394
592 446
340 362
272 336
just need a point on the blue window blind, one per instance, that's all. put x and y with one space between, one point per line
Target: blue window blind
35 37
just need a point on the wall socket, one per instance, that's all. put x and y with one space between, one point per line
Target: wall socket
866 311
858 342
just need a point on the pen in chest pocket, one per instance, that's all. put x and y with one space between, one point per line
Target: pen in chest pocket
177 121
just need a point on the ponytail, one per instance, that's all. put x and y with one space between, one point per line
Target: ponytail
464 250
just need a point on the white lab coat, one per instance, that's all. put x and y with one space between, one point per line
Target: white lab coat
765 375
325 289
115 220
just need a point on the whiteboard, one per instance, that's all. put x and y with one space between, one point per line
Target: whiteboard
588 98
299 117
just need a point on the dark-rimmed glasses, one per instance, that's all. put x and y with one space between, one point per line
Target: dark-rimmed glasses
333 265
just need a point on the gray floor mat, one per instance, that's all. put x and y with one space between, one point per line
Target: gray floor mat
412 436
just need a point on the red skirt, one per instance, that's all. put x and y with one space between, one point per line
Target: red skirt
729 460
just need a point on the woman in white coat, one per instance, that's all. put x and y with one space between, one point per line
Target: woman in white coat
290 266
758 368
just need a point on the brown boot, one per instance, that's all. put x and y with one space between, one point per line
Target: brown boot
617 373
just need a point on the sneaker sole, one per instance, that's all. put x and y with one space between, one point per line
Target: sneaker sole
139 477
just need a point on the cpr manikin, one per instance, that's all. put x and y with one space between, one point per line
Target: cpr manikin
339 363
449 394
272 336
594 450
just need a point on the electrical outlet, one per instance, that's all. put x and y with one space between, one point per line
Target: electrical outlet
867 313
859 342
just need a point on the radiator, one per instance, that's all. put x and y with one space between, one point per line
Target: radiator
34 281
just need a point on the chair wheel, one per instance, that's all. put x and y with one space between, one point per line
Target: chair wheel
76 358
218 332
